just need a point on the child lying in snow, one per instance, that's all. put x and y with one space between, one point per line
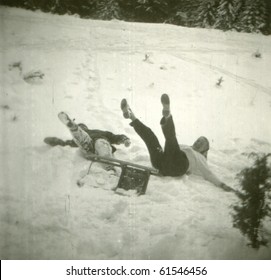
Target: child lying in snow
174 160
89 141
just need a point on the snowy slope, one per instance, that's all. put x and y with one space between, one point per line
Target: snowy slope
88 67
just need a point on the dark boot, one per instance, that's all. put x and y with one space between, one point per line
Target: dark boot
54 141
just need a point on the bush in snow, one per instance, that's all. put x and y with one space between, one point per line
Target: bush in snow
33 77
14 118
255 207
16 65
257 54
219 82
5 107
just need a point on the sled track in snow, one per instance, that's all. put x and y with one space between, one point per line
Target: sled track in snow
239 79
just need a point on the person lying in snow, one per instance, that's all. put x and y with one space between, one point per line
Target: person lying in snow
90 141
174 160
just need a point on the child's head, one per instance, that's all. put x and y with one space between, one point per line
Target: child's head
83 126
201 145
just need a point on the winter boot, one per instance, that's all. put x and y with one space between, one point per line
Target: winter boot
64 118
54 141
166 105
126 110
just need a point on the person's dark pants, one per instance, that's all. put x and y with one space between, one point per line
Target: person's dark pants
170 162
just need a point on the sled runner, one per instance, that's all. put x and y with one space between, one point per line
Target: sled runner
133 176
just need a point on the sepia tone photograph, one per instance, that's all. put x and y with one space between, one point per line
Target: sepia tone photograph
135 130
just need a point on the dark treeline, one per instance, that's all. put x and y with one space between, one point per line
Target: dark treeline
241 15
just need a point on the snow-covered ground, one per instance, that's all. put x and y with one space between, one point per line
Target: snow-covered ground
89 66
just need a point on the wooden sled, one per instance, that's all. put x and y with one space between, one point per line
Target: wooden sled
133 176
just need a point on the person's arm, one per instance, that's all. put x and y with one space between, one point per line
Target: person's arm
206 173
118 139
211 177
229 189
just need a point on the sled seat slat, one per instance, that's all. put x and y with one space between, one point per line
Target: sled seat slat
133 176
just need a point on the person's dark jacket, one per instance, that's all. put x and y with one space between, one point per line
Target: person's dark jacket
113 139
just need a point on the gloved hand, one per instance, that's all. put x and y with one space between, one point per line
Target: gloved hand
127 142
124 140
229 189
226 187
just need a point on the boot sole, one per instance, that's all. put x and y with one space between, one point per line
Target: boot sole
165 99
165 102
125 108
63 117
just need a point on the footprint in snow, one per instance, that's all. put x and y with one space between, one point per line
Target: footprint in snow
112 214
260 142
134 149
229 151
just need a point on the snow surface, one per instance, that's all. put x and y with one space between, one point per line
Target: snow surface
89 66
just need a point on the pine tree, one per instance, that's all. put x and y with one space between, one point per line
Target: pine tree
206 14
253 18
151 10
58 7
227 13
268 10
84 8
32 4
184 12
255 198
12 3
108 9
